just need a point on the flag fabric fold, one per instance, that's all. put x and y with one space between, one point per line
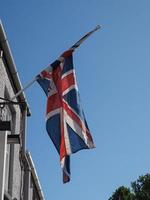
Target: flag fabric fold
65 120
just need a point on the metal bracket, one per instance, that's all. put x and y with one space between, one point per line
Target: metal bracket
9 102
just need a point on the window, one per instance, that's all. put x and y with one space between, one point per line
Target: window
8 114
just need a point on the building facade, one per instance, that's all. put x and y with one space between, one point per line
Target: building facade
18 177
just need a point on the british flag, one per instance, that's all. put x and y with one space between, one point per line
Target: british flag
65 121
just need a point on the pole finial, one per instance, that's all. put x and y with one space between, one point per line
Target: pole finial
98 27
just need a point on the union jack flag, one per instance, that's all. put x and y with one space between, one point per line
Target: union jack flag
65 121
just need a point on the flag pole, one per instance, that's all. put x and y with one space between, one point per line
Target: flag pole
79 42
76 45
23 89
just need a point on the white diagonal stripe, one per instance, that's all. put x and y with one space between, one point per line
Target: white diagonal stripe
67 73
77 129
69 89
52 113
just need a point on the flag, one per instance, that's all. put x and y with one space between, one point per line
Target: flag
65 120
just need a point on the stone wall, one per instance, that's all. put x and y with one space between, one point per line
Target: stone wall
13 186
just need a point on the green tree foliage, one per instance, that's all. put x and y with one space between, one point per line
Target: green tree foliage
122 193
141 188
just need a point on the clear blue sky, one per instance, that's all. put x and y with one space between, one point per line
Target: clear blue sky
112 67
